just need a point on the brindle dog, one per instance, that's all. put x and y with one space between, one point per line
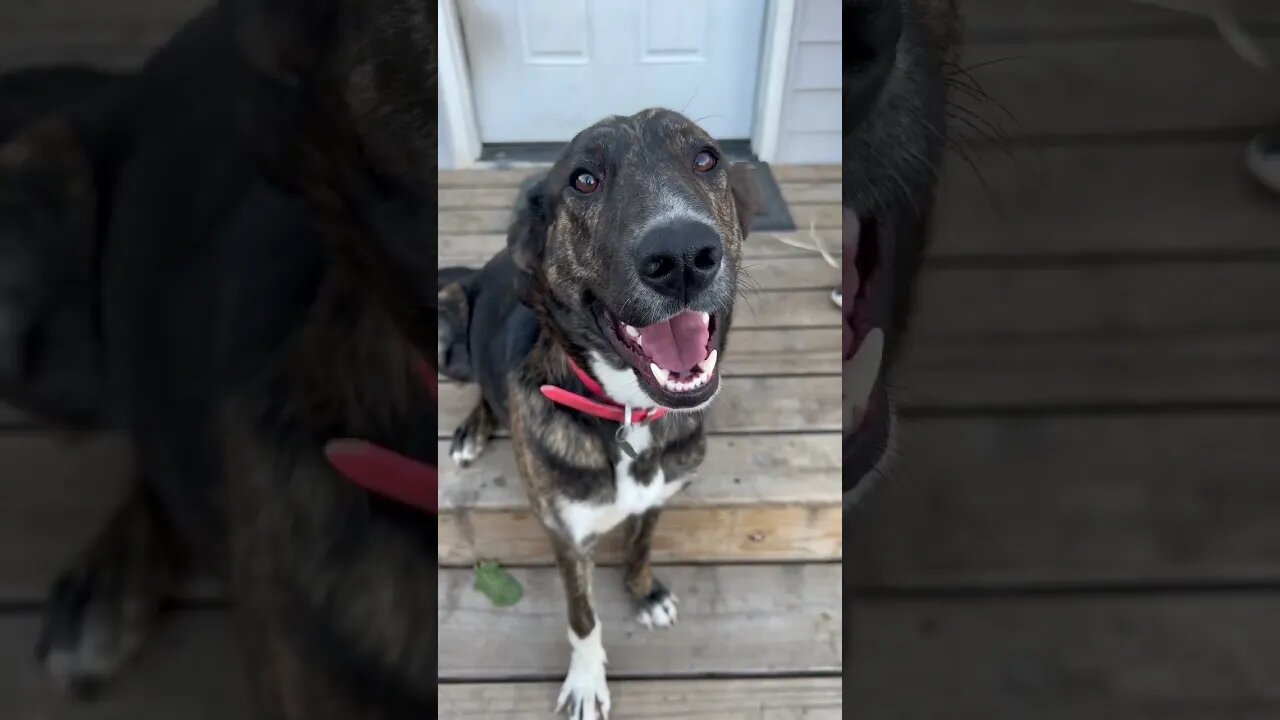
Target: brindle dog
898 65
624 260
266 283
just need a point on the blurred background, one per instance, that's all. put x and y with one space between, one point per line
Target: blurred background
1084 521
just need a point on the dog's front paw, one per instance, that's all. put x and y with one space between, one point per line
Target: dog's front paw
467 446
658 610
585 693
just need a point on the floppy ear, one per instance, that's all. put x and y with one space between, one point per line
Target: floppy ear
747 198
527 236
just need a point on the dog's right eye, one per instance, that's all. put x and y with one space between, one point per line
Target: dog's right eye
585 183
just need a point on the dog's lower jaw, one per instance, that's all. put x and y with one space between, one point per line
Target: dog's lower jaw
585 688
624 387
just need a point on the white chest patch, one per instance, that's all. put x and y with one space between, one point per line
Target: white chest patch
621 385
584 519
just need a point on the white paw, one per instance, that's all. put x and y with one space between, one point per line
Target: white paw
465 452
585 693
659 614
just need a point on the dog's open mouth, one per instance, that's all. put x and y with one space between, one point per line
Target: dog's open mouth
863 338
866 417
676 357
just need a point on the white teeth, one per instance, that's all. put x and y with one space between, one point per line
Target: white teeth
860 373
660 374
706 319
709 364
700 378
632 331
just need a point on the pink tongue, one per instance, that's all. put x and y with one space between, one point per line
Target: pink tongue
677 344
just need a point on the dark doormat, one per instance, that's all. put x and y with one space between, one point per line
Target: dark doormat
774 217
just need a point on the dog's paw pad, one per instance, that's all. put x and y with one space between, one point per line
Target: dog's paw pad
585 693
659 610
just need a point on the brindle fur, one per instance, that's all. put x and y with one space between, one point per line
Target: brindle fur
266 283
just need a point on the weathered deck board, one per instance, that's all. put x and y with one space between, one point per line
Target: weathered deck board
1103 200
473 250
1178 656
804 469
784 174
756 498
1151 299
1130 498
1160 656
484 221
1008 372
754 699
728 625
194 672
503 196
1121 85
745 404
703 534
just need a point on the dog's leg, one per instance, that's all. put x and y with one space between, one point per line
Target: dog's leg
657 604
585 693
471 437
103 607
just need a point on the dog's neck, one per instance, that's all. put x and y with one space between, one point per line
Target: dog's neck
619 384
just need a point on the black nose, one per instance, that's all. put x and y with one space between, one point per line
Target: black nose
679 259
871 29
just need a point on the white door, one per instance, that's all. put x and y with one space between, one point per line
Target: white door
541 70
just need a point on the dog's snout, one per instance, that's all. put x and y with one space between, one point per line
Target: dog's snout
679 259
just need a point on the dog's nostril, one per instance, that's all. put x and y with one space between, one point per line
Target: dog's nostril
678 259
658 266
706 259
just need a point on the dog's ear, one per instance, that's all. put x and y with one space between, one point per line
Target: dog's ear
527 236
284 39
747 198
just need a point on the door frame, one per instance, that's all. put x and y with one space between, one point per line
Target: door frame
457 104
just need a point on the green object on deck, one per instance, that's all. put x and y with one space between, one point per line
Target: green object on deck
497 584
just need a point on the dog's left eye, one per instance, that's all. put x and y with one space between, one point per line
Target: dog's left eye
704 161
585 183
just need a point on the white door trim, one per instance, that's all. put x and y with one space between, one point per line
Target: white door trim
458 105
775 56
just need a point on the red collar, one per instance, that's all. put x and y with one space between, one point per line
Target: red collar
605 407
387 473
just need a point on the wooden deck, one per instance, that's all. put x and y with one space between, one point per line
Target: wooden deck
1084 520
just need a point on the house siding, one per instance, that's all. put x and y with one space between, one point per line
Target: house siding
811 107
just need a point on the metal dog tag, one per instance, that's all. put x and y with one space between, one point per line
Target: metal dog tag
621 435
625 446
